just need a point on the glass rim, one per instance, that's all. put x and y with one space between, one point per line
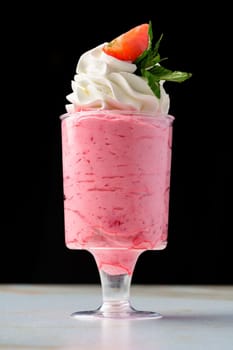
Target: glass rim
90 112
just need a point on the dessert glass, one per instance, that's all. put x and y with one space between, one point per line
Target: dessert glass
116 180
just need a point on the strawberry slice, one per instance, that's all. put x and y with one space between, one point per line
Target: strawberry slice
130 45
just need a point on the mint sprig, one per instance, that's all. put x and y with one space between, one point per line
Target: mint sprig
149 66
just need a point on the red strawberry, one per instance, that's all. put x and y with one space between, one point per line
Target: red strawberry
130 45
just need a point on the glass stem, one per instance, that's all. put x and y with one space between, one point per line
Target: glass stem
116 267
115 292
115 287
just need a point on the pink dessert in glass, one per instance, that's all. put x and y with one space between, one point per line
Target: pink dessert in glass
116 184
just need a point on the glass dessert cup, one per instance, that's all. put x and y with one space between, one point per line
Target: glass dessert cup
116 178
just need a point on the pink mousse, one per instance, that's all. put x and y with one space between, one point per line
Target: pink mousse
116 170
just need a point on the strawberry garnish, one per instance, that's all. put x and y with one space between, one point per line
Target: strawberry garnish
130 45
136 46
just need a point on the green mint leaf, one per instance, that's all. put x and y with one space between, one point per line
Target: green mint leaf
147 53
152 82
150 33
162 73
157 44
151 62
148 66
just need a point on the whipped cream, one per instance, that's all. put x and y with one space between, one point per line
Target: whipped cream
104 82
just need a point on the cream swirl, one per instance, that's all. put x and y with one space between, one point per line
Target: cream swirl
104 82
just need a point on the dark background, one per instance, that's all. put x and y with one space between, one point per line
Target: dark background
40 49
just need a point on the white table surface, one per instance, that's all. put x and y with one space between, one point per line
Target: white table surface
34 317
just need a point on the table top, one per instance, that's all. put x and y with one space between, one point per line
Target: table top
38 317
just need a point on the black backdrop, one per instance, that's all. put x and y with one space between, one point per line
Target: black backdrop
41 49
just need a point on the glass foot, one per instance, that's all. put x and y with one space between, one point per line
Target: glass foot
120 310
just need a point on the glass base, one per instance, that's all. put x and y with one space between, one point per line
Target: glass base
120 310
